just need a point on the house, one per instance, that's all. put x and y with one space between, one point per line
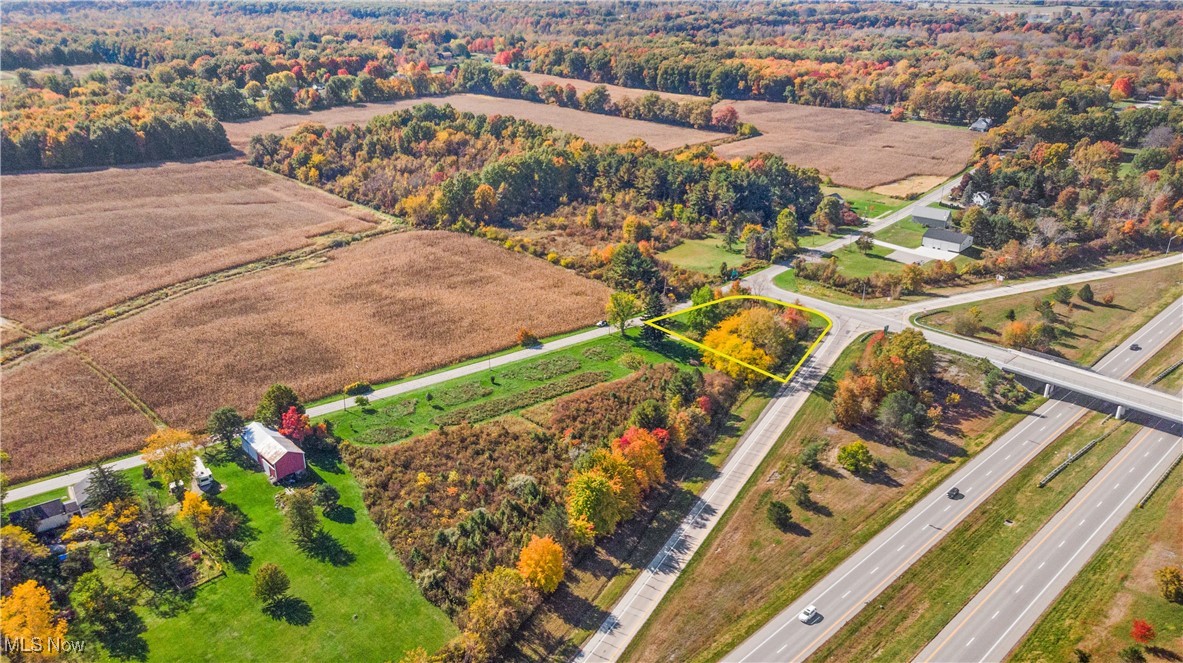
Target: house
981 124
277 455
932 217
981 199
80 494
45 516
946 240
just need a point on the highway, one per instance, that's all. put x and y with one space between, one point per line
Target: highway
858 580
995 620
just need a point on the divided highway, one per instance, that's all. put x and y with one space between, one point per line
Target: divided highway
856 582
996 620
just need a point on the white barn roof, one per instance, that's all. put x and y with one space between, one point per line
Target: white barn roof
268 443
933 213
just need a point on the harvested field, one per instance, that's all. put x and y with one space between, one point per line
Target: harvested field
914 185
386 308
599 129
855 148
59 414
76 243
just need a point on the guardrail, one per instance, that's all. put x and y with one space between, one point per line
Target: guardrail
1158 378
1161 480
1074 456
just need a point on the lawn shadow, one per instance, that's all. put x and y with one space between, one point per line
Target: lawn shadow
816 508
1163 653
325 460
292 610
346 515
168 602
797 529
326 548
880 476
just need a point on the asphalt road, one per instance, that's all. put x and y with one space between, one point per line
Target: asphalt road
995 620
857 581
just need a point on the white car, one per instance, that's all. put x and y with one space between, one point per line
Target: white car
807 615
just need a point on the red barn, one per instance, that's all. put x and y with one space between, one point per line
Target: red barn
277 455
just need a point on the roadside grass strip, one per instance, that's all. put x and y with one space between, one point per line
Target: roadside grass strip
779 378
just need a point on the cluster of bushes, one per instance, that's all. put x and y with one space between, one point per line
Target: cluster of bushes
532 396
461 393
909 280
544 369
890 384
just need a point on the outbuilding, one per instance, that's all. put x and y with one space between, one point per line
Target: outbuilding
946 240
276 454
932 217
981 124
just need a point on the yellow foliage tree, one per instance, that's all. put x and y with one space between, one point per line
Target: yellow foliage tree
541 563
194 509
27 614
171 453
732 347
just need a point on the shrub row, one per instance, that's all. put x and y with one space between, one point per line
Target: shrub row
544 369
533 396
461 393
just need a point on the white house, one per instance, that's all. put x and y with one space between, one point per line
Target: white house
946 240
932 217
45 516
277 455
981 124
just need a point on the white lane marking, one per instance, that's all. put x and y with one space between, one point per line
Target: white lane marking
1008 457
782 648
995 614
846 594
990 472
1019 589
970 642
874 570
1131 470
1062 543
1081 523
1100 503
1146 454
899 549
1041 565
1043 428
948 507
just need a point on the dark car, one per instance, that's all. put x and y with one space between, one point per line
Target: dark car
953 493
1135 347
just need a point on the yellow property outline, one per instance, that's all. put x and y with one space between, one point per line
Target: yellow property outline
808 352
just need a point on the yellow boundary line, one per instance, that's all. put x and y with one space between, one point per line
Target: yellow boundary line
808 352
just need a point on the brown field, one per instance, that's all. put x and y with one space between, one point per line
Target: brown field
59 414
855 148
389 307
599 129
76 243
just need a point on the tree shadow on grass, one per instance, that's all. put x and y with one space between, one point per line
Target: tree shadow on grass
796 529
326 548
168 602
292 610
325 460
816 508
346 515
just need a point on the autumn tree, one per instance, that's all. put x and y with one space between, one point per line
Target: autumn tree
277 400
641 450
271 584
855 399
591 497
541 563
28 615
621 308
1142 631
294 425
497 603
194 509
786 232
856 457
225 425
1170 583
828 215
865 242
171 454
106 486
19 550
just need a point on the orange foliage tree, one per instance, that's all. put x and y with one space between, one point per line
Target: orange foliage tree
541 563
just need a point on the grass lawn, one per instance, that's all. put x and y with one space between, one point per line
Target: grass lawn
1095 328
704 255
1163 360
747 570
902 233
1117 586
854 263
360 607
516 386
934 589
866 203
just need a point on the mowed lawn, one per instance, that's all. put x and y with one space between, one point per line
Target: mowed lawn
704 255
1094 329
367 609
504 390
902 233
855 263
866 203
